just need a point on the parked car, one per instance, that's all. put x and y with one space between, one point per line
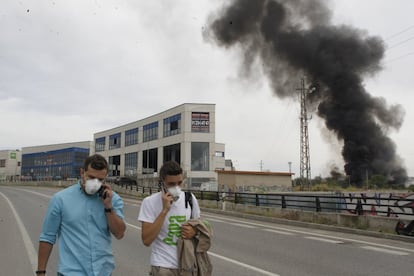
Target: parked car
124 180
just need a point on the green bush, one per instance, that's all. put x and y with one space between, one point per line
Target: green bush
321 188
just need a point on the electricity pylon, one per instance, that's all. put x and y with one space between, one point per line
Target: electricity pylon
305 170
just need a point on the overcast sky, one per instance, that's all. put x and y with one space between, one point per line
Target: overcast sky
69 69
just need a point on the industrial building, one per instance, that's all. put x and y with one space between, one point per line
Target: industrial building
54 162
10 164
185 133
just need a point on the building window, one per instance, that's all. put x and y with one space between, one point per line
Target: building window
131 163
114 163
100 144
115 141
150 132
219 154
172 125
200 122
172 152
131 137
2 163
200 156
149 161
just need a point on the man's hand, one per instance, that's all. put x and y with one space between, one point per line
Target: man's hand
187 231
167 200
107 195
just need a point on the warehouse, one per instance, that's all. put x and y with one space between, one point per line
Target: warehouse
54 162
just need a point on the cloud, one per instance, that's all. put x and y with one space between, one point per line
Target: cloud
72 68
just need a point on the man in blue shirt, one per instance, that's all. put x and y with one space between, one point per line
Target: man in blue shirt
83 216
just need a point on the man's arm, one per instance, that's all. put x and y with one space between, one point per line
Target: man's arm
150 231
45 249
116 224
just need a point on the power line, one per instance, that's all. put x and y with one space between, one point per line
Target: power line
399 43
397 34
400 57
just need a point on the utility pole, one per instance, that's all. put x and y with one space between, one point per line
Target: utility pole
261 165
305 171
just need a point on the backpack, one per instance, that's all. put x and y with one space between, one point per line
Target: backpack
189 201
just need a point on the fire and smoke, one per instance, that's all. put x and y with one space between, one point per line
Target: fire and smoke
293 38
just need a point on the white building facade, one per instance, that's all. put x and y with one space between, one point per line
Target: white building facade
185 133
10 164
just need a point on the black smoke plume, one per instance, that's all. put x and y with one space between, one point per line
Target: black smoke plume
295 38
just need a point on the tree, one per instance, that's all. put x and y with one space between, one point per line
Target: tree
378 181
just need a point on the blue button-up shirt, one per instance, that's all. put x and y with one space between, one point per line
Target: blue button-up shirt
79 220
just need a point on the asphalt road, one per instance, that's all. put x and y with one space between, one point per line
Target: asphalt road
240 246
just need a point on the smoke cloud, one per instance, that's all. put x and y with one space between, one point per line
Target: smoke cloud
295 38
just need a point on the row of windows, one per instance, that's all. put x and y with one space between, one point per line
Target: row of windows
61 171
3 163
58 157
199 159
63 163
172 126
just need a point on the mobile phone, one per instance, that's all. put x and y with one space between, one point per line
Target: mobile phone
161 186
101 192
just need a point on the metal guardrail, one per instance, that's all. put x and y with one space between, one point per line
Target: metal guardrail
388 204
371 203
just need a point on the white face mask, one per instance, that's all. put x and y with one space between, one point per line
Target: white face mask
92 186
175 192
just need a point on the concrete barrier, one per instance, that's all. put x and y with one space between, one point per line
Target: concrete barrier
381 224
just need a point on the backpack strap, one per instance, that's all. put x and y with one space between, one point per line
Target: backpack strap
189 201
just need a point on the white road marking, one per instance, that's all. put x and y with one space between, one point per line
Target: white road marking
324 240
256 269
278 232
131 203
394 252
216 220
264 272
133 226
243 225
313 234
36 193
30 249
